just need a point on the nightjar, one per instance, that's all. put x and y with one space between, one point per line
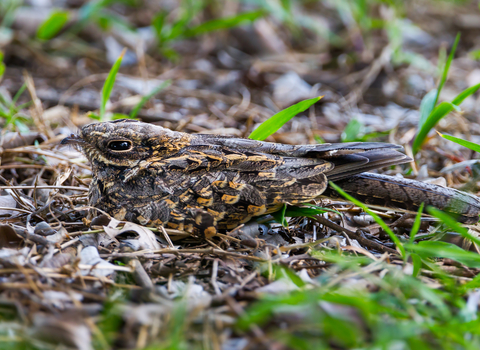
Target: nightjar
200 183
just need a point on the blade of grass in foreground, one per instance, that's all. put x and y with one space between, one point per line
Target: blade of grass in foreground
473 146
453 224
416 224
379 221
109 82
275 122
429 249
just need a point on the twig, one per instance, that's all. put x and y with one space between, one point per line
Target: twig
167 237
72 188
354 235
184 251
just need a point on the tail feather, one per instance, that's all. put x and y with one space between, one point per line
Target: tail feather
409 194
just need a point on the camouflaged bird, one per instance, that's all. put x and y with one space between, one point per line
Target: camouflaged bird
199 183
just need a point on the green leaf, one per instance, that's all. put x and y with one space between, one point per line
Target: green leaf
318 139
20 126
90 9
109 82
275 122
158 24
437 249
282 272
426 107
437 114
474 55
417 264
19 93
447 67
353 131
465 93
2 69
145 98
116 116
279 216
431 115
379 221
223 23
473 146
52 25
170 54
308 210
188 10
416 224
473 284
453 224
293 211
93 116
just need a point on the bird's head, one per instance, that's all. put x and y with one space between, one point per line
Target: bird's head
125 142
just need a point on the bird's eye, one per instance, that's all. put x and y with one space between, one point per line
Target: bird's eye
120 145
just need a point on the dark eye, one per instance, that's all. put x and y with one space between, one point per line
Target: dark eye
120 145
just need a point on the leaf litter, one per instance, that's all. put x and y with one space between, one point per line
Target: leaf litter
67 279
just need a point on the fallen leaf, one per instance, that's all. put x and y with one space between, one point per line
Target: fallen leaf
146 239
7 202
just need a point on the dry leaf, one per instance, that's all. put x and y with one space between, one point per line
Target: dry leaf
146 239
7 202
89 256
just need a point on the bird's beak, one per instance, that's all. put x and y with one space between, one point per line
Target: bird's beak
72 140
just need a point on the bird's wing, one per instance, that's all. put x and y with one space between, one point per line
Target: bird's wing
352 164
324 150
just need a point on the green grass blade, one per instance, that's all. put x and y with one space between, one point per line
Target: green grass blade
473 146
299 211
417 264
145 98
158 24
93 116
427 106
453 224
109 82
52 25
379 221
116 116
19 93
224 23
464 94
322 208
2 65
429 249
2 69
354 130
447 67
279 216
416 224
437 114
90 9
275 122
473 284
429 114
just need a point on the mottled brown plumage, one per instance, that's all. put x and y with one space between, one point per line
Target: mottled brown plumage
151 175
